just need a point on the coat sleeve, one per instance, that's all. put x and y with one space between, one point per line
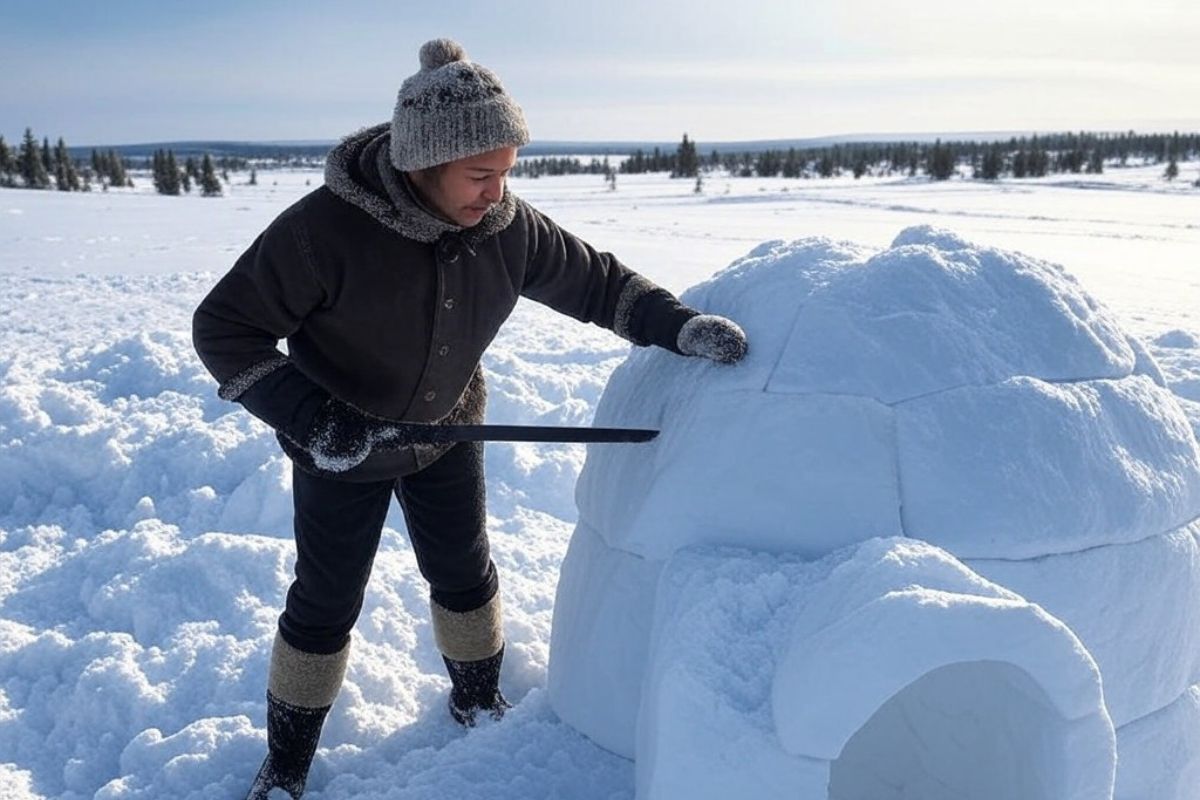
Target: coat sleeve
569 275
265 297
236 328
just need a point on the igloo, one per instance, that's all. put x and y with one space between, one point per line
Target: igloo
934 538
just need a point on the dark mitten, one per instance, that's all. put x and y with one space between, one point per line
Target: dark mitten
712 337
341 437
335 435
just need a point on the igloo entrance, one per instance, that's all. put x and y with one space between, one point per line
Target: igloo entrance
981 730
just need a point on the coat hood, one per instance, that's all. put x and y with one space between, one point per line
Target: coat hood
359 170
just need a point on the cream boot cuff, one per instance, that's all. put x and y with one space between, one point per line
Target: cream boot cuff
468 636
307 680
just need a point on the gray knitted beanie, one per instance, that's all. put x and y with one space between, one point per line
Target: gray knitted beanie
452 109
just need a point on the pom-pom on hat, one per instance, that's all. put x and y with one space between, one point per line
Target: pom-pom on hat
451 109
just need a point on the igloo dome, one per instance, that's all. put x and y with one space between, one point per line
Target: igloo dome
974 399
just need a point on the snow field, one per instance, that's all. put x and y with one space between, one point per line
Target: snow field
145 525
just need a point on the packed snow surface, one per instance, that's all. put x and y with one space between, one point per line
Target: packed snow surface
145 525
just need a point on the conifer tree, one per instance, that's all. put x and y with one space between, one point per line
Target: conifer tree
8 164
941 164
253 177
33 169
209 185
1172 170
157 172
65 174
116 170
47 160
1020 164
687 164
171 173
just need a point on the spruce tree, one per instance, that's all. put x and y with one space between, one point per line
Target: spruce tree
116 170
47 159
941 163
209 185
157 171
686 162
171 173
8 164
991 164
33 170
1172 170
1020 164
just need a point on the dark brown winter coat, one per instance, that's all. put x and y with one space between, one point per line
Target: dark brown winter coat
389 308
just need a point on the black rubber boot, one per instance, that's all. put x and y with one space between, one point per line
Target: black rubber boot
292 734
476 689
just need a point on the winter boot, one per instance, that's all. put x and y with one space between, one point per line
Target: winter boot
301 690
472 645
476 689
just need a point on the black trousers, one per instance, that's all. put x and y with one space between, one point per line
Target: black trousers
338 524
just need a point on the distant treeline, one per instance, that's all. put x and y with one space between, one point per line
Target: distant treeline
537 167
34 166
1021 157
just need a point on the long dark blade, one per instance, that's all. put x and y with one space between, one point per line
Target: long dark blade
434 434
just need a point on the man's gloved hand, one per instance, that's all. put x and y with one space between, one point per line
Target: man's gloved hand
712 337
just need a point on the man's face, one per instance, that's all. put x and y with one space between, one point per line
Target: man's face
464 190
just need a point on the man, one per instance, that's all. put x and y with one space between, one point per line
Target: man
388 284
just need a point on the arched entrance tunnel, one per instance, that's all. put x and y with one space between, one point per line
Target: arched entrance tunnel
979 730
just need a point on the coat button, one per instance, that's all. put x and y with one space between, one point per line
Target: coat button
443 350
430 396
449 250
449 303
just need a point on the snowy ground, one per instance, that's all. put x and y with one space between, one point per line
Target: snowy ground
145 525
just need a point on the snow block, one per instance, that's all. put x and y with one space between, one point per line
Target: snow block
780 485
933 313
798 679
1148 648
1158 753
602 617
1027 468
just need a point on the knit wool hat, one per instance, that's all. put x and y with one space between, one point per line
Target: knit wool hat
451 109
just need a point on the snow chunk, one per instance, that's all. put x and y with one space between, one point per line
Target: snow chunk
1148 651
935 313
1180 339
1158 753
780 484
1029 468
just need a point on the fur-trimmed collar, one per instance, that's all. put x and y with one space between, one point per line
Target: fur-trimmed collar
359 171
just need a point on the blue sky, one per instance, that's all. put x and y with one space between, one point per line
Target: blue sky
133 71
